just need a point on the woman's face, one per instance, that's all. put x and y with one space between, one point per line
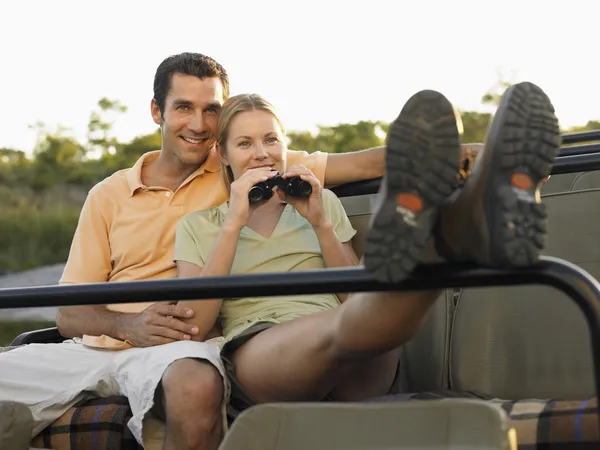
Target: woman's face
255 140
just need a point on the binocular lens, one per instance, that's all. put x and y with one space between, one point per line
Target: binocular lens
304 188
255 194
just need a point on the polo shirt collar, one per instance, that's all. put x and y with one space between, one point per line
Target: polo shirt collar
134 174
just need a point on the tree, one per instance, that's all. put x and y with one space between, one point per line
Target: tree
493 96
341 138
590 126
475 125
12 156
128 154
99 140
13 165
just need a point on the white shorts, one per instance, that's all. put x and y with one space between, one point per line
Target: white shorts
51 378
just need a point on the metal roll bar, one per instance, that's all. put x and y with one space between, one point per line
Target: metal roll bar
579 285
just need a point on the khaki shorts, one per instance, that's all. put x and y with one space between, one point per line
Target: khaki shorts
240 399
51 378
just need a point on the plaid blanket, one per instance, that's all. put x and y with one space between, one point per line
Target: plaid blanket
97 424
101 424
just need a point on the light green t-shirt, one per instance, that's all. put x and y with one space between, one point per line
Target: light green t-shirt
292 246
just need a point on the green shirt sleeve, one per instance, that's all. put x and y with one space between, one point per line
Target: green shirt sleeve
336 213
187 245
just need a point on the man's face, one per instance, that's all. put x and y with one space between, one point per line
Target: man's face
189 120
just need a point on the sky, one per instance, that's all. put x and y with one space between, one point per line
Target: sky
319 62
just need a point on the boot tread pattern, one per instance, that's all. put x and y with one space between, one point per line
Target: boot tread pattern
423 153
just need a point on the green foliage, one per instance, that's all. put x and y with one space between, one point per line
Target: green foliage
41 196
33 235
590 126
341 138
99 138
493 96
474 125
10 329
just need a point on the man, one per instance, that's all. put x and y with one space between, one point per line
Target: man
126 232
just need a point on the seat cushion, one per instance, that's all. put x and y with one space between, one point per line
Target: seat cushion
450 425
540 424
101 424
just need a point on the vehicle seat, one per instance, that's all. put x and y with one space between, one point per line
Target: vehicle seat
532 341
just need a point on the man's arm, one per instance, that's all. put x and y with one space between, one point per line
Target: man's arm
89 262
368 164
354 166
94 320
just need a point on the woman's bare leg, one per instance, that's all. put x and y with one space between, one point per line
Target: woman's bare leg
367 379
306 358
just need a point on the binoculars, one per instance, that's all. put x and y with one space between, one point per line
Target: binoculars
294 187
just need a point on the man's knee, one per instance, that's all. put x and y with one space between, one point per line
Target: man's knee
191 384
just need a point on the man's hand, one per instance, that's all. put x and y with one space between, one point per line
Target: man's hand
159 324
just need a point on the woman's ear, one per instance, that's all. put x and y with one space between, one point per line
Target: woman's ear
222 155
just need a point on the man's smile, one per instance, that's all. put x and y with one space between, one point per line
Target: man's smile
193 141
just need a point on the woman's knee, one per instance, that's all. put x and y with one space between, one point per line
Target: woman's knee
194 384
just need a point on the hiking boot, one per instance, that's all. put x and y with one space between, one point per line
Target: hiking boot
422 169
497 218
16 425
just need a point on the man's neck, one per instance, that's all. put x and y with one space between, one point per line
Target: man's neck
167 172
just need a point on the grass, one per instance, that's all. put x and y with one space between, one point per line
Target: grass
10 329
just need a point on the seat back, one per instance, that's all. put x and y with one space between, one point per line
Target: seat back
424 361
532 341
559 183
586 180
571 182
445 425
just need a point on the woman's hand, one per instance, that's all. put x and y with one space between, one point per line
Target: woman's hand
311 207
239 205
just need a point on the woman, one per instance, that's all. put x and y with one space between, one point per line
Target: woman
297 348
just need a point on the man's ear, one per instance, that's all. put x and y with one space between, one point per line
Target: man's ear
222 154
155 111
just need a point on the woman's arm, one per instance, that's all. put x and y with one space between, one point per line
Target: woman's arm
335 253
218 263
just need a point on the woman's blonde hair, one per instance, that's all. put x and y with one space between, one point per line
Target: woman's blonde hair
232 107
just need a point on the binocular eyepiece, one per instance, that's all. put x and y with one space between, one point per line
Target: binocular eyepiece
294 187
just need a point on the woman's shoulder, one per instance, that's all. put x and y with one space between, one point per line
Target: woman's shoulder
330 199
210 216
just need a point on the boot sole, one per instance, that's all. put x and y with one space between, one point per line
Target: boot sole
525 143
422 167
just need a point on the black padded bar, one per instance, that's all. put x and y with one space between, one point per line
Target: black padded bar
583 162
581 137
352 279
578 162
579 150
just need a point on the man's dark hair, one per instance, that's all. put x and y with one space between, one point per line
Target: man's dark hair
195 64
